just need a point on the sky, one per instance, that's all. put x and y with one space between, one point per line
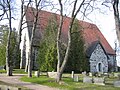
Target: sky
104 21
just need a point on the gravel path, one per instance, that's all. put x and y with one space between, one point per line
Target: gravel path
15 80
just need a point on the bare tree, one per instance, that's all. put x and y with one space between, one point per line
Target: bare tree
7 7
8 61
3 10
61 67
37 2
35 8
22 15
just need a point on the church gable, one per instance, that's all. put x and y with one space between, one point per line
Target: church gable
98 59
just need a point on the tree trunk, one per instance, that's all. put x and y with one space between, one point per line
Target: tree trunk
117 19
23 12
58 78
19 37
61 68
30 61
9 71
32 39
8 60
26 65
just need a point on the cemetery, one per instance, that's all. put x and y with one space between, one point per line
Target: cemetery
83 80
73 80
59 45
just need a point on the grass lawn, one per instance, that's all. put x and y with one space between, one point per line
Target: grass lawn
19 71
16 71
2 71
68 83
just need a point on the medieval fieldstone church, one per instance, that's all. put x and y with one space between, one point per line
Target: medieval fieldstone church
99 52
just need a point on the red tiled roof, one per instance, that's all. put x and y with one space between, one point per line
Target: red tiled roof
94 34
90 31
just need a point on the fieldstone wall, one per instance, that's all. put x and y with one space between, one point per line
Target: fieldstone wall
98 56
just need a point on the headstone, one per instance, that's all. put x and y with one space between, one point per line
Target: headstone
84 73
72 74
117 75
106 75
111 75
37 73
52 74
90 74
99 74
76 78
87 79
116 84
99 81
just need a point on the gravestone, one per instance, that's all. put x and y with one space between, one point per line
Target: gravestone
87 79
116 74
111 75
106 75
90 74
52 74
84 73
116 84
99 74
76 78
99 81
37 73
72 74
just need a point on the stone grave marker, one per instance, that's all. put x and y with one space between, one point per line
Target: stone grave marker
116 74
106 75
37 73
99 81
90 74
76 78
72 74
99 74
84 73
87 79
116 84
52 74
111 75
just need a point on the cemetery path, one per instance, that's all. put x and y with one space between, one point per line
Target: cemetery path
15 81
